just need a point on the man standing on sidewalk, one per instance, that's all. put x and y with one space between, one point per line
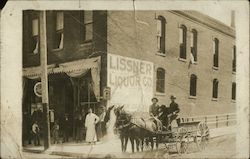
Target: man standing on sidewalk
90 122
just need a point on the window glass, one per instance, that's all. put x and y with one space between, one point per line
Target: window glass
160 80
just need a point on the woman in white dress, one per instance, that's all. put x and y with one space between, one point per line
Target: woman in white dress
90 122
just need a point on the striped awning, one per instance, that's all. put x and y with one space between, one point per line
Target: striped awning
74 66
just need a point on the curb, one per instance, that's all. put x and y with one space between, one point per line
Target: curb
82 155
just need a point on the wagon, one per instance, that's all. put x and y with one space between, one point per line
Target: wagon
182 136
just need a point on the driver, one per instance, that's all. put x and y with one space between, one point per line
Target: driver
174 110
154 112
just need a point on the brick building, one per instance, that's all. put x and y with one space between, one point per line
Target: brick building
138 55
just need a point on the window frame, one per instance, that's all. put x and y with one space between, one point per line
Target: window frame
215 89
194 44
58 33
83 26
216 46
183 44
160 81
233 94
161 37
193 86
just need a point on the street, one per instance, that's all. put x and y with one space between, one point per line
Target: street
223 146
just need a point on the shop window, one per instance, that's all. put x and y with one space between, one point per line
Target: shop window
160 80
216 53
215 88
86 26
193 85
161 31
193 44
58 34
233 91
183 41
234 59
35 36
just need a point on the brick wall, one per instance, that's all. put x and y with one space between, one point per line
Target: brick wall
136 38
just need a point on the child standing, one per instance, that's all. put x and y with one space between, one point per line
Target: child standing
35 132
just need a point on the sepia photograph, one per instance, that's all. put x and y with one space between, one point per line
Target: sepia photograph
117 82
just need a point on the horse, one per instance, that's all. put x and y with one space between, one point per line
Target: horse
135 128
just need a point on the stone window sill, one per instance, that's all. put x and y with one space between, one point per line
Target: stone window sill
214 99
233 101
182 59
57 49
215 68
160 94
192 97
161 54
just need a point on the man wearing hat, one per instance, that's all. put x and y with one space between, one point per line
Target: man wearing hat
174 110
154 112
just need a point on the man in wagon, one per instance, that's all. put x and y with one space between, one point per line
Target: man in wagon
174 110
154 112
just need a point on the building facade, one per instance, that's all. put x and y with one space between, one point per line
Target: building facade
137 54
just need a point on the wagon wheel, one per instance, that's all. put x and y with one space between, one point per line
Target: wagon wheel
202 136
181 143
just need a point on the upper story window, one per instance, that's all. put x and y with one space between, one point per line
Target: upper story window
216 53
35 36
160 80
58 34
215 88
233 91
193 85
161 33
193 44
183 41
234 59
86 26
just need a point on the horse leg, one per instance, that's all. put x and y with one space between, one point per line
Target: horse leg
152 142
126 142
122 143
132 143
142 143
137 144
157 141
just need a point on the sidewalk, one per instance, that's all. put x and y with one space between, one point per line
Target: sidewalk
109 148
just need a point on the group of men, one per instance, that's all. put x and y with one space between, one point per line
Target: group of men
157 111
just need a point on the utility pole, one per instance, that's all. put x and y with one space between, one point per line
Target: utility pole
44 77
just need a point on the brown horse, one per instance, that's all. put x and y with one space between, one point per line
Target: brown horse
136 130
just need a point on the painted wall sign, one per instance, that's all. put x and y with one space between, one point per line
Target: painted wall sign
131 82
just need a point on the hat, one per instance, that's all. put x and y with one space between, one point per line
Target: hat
155 99
172 97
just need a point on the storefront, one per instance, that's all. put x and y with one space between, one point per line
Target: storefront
73 88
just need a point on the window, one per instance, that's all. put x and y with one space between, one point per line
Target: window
215 88
161 30
35 37
58 35
233 91
216 52
86 26
160 80
194 45
183 41
234 59
193 83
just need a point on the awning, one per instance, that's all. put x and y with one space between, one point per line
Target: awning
73 69
79 65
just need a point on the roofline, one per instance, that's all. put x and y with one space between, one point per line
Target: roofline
207 21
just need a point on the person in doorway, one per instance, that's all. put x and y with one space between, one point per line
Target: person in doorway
90 122
174 110
79 127
55 132
153 112
65 128
35 132
101 126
